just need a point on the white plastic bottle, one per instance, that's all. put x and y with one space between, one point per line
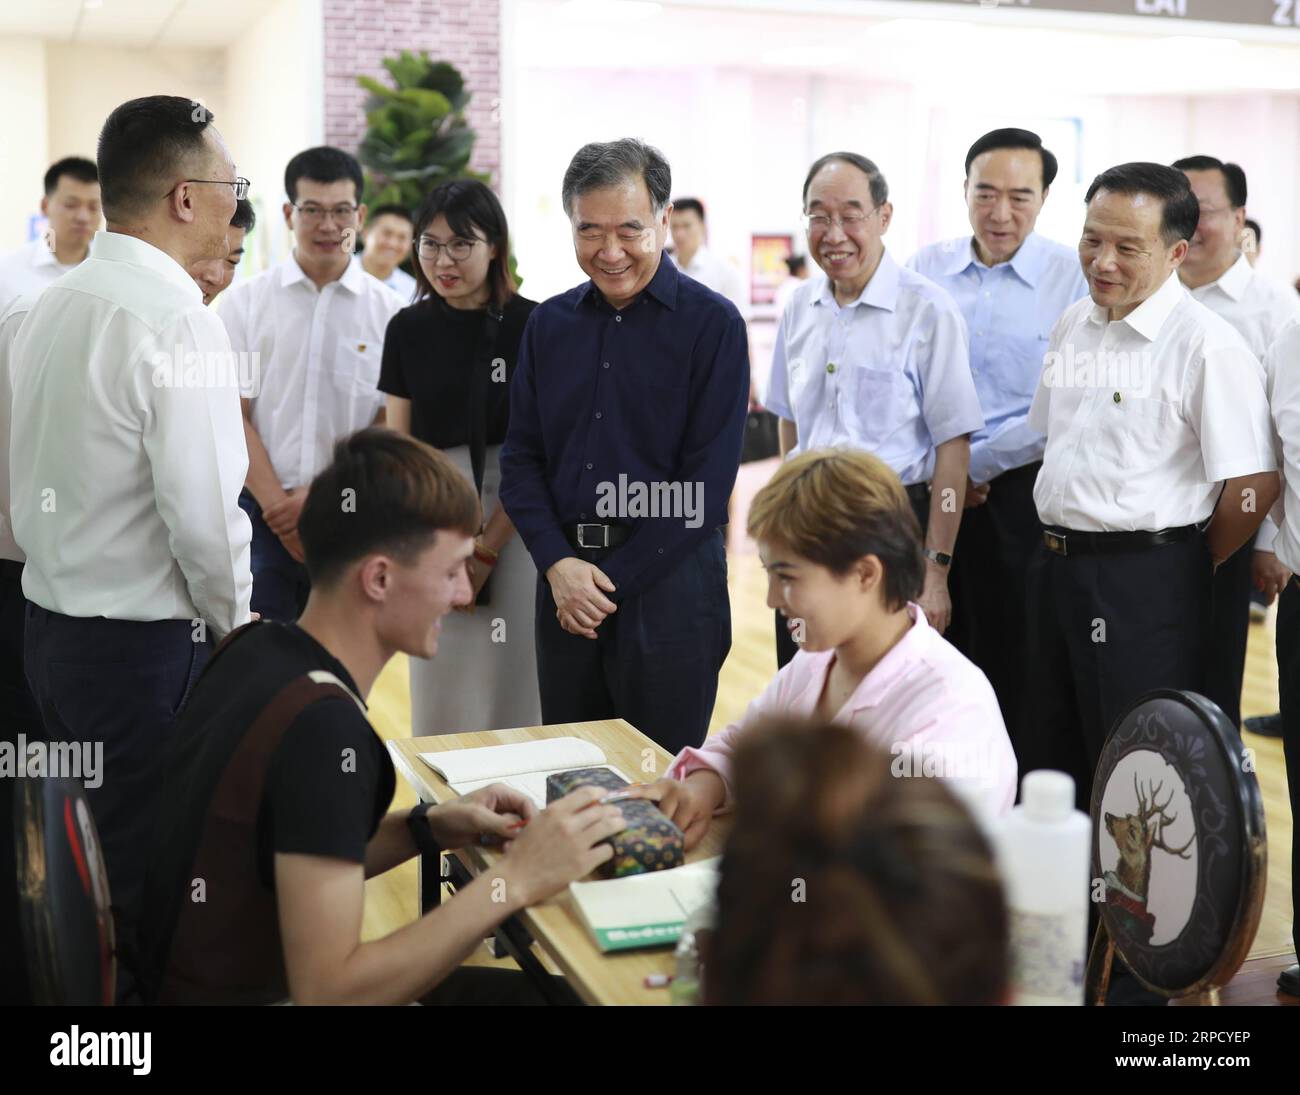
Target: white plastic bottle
1043 848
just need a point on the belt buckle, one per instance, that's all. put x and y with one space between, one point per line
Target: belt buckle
1055 543
582 542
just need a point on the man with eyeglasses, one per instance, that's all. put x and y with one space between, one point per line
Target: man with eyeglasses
1220 276
1011 285
316 323
873 357
627 411
127 456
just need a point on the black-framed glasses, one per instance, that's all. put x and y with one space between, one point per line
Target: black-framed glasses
459 249
240 185
311 211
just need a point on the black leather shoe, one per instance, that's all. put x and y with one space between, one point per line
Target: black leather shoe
1289 980
1266 726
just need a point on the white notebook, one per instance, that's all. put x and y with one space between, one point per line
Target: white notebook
523 766
645 910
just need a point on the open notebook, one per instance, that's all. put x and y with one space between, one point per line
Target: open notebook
645 910
523 766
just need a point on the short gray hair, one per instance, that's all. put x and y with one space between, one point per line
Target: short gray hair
603 164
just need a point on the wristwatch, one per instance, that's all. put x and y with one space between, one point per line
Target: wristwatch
940 557
418 823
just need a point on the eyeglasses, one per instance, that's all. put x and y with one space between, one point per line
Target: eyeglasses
310 211
240 185
459 249
820 222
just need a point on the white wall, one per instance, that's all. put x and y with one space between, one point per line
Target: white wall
274 109
24 150
742 141
86 82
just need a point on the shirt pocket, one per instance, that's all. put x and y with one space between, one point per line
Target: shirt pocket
1139 432
355 376
876 403
657 413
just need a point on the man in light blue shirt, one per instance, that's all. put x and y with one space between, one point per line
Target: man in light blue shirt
1011 286
873 356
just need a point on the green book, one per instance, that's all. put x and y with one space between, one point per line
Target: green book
644 910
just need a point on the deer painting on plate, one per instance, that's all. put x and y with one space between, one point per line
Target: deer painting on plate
1136 835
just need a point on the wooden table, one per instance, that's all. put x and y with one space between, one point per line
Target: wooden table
555 925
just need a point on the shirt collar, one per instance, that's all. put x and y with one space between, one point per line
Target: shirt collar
1027 262
41 255
1236 278
892 668
663 286
353 279
119 247
1149 316
880 292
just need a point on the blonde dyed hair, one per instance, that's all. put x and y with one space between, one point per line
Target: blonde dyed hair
835 506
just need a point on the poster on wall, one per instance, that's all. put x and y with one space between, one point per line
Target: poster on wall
767 270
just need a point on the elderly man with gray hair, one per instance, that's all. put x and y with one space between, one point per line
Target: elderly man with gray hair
626 417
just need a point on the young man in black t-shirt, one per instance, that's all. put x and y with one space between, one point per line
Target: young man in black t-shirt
278 787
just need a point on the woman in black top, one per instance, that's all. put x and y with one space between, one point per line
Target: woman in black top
447 365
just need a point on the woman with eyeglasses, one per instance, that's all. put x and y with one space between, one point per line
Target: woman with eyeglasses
448 362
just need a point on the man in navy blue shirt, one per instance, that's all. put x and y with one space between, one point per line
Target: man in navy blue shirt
626 416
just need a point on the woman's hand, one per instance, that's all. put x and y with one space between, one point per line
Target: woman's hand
688 803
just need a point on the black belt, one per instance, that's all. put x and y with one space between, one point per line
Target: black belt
1065 542
11 569
592 535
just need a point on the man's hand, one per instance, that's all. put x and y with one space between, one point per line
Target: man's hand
478 572
496 811
934 597
293 545
561 845
976 494
282 517
576 586
1269 575
688 803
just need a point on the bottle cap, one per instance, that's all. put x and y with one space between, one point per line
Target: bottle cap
1047 795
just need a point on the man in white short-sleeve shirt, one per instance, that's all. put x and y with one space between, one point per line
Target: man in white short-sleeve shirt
313 328
125 464
873 356
1282 366
1219 275
1159 464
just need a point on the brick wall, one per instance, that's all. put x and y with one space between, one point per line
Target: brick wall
360 33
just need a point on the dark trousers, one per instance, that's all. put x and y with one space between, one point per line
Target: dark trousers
280 583
1225 656
654 662
786 647
1288 672
118 684
990 567
1103 631
18 714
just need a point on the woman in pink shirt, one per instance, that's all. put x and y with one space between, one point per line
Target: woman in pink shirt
842 550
